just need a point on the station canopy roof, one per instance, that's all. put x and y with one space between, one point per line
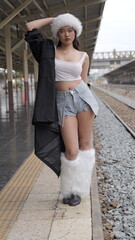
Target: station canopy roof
17 12
122 70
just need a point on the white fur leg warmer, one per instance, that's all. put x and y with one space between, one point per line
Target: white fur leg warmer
75 175
67 176
87 161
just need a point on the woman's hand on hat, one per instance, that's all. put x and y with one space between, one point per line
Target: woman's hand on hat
54 18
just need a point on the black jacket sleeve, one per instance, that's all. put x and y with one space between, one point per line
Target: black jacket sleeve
48 141
35 40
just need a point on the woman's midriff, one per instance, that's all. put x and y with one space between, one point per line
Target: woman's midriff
66 85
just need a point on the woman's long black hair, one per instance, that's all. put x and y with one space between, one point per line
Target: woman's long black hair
76 44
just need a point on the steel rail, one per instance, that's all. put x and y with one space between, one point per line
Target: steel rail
107 93
117 116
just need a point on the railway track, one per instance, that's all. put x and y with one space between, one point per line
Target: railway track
122 110
115 166
123 86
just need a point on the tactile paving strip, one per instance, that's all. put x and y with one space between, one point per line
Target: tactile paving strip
14 194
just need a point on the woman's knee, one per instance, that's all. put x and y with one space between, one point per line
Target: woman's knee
71 154
86 144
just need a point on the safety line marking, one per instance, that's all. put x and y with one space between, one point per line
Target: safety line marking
16 191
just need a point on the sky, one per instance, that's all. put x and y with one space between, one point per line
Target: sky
117 28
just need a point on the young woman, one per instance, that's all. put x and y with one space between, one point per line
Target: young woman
76 106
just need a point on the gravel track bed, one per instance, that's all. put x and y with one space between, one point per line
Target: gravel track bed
126 113
119 94
115 151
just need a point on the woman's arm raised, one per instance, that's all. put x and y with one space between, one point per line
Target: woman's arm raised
39 23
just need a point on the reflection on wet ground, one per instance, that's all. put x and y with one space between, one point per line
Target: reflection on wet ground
16 132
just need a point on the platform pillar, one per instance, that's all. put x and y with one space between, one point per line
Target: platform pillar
9 67
26 85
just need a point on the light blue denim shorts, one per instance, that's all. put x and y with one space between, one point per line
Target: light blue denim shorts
70 103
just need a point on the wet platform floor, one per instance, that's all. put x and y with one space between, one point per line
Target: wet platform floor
16 132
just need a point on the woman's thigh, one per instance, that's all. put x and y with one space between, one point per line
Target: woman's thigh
70 136
85 128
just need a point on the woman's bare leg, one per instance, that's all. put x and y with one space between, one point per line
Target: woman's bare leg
85 129
76 175
70 137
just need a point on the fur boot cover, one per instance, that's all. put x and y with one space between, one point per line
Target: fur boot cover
87 162
68 175
75 175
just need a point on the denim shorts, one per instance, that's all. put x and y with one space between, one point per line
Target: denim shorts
70 103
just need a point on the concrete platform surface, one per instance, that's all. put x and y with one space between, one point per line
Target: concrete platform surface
43 216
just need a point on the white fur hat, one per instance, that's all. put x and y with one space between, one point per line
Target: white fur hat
66 19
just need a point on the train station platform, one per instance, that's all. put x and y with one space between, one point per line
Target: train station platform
31 205
32 208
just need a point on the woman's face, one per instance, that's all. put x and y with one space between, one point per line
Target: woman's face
66 35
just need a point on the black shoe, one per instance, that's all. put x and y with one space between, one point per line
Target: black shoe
74 200
66 200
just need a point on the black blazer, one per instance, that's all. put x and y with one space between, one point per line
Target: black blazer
48 141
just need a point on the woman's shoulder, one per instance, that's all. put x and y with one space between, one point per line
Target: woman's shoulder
83 54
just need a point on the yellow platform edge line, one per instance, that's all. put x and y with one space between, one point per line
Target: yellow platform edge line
16 191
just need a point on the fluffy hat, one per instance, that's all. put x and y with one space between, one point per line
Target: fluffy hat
66 19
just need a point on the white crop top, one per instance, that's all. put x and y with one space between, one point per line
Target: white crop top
69 71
